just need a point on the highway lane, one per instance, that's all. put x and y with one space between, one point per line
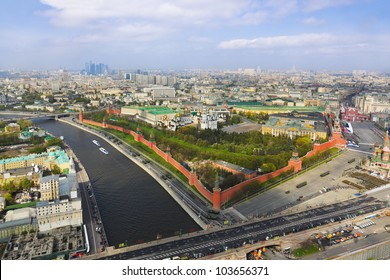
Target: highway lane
234 237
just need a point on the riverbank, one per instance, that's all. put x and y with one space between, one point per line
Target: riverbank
86 190
166 187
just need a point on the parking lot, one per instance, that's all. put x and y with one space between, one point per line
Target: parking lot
369 235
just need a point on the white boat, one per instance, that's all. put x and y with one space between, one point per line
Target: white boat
103 150
96 143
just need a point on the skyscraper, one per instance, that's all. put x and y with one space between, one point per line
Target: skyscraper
96 69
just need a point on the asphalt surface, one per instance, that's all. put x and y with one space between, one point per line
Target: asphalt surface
91 216
366 134
242 127
277 200
235 237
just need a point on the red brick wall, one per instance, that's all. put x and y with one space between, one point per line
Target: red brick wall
115 127
208 195
231 192
158 151
93 123
217 199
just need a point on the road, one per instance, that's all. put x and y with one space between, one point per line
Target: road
202 244
366 134
91 217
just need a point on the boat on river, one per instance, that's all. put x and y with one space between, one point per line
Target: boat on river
104 151
96 143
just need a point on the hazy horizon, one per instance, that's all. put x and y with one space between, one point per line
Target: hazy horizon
320 35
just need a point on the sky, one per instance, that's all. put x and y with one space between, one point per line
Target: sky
338 35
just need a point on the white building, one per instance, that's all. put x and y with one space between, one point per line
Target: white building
65 209
208 120
179 121
161 93
373 103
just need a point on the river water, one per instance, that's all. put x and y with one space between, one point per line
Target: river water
134 208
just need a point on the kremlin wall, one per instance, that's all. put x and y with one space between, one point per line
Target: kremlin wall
217 197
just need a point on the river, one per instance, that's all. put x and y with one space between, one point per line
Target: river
134 208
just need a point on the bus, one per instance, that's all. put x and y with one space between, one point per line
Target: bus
324 174
301 185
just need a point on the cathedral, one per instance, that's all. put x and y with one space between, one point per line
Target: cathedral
380 160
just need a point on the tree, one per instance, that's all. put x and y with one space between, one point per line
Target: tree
303 145
24 123
56 169
207 175
8 198
25 184
235 119
267 167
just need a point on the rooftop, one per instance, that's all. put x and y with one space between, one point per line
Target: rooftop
280 108
60 156
234 167
295 124
154 110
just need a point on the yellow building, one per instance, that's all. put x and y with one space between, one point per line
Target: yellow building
49 187
296 124
48 159
312 102
276 109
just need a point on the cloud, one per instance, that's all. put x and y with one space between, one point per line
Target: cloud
332 46
315 5
84 13
98 13
312 21
279 41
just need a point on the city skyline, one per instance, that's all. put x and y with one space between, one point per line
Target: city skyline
310 35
